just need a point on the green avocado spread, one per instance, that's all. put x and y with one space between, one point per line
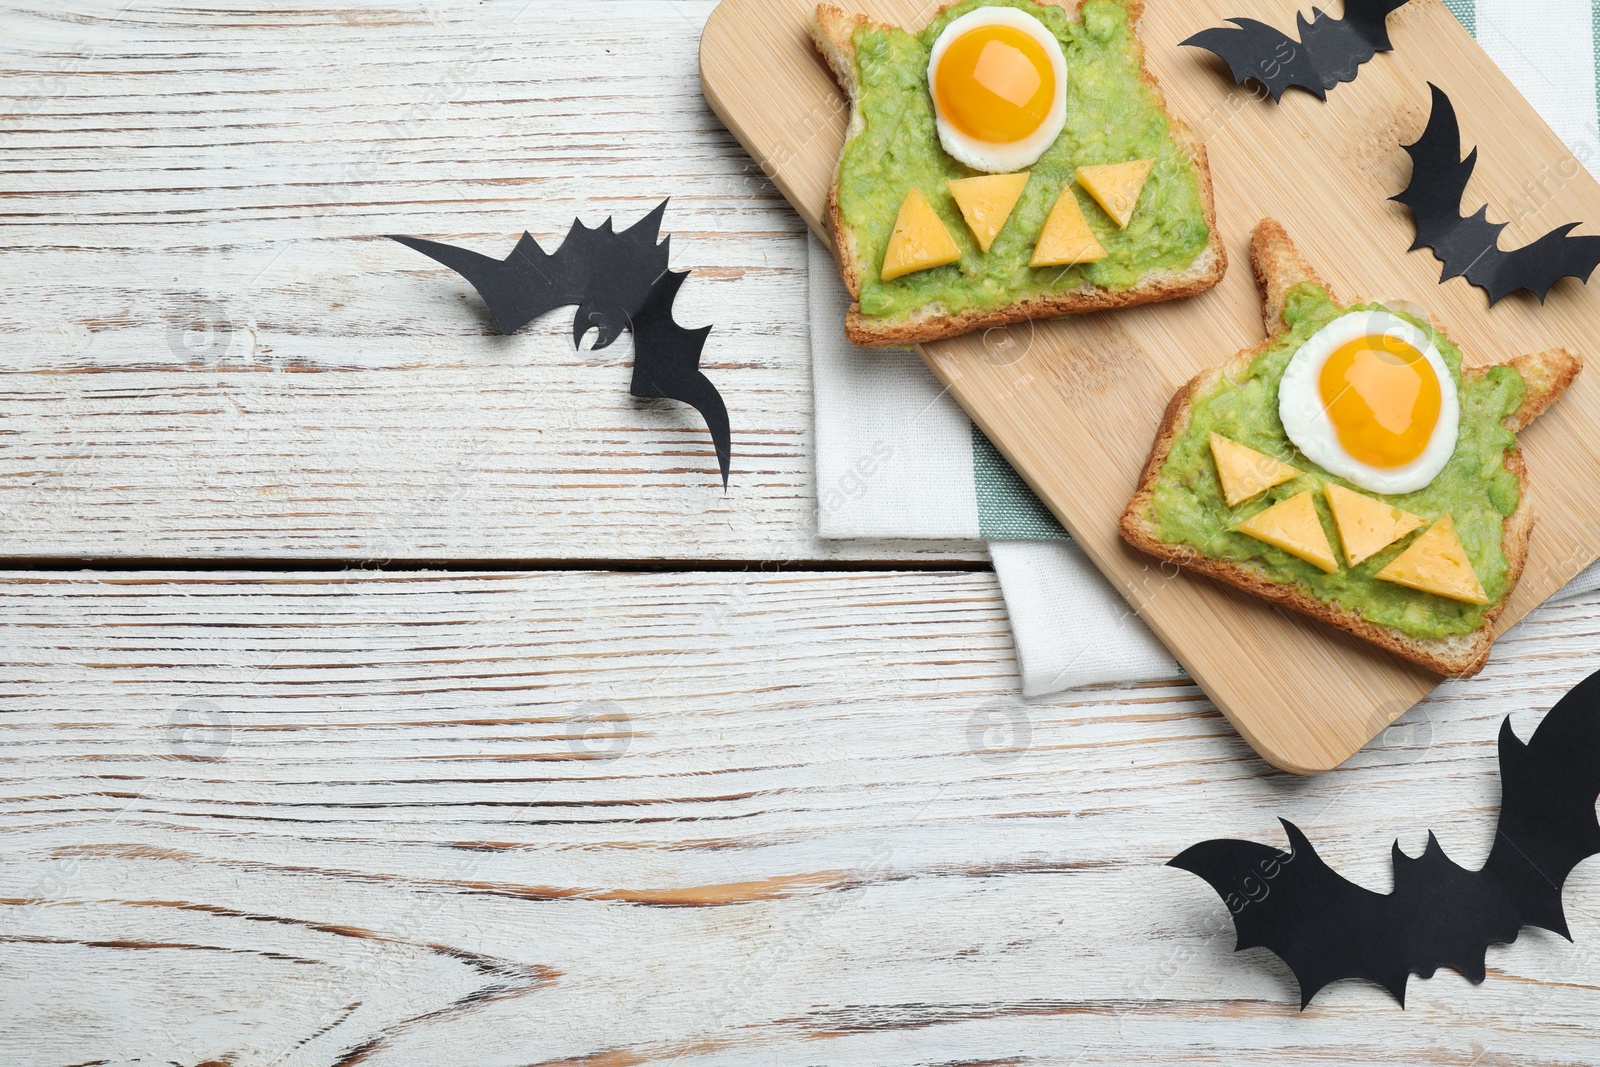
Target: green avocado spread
1112 117
1475 488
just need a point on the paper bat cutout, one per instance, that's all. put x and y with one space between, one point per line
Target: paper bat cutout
1468 246
1439 915
618 281
673 370
1328 52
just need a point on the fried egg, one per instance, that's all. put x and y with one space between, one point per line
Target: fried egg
999 83
1369 399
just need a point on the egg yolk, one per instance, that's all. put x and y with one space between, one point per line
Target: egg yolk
995 84
1383 398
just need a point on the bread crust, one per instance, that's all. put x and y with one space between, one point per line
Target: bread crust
1278 267
833 31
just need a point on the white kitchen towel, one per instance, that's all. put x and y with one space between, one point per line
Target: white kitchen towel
897 458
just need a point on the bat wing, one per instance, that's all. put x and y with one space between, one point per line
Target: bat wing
1537 267
1439 177
1547 806
1323 926
666 364
518 289
1255 51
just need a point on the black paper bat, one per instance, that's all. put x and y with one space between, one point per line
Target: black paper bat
1469 245
673 370
1328 52
619 281
1440 914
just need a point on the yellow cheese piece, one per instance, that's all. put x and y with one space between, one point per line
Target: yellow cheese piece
1294 527
919 241
1066 238
1116 186
1367 526
987 202
1244 472
1437 563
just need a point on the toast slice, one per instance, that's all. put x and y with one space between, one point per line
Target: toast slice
834 33
1278 269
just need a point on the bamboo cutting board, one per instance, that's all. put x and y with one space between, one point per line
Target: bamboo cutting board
1074 404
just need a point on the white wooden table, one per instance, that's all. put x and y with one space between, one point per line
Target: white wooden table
377 690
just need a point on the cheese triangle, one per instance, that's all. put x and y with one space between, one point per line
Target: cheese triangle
987 202
1244 472
1116 186
1066 238
1437 563
1367 526
920 240
1294 527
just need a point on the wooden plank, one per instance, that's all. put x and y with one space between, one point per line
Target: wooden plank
716 819
1068 411
211 354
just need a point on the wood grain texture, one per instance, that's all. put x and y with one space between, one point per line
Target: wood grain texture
212 354
1073 403
621 819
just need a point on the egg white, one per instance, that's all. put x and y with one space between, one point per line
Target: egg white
988 156
1305 417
